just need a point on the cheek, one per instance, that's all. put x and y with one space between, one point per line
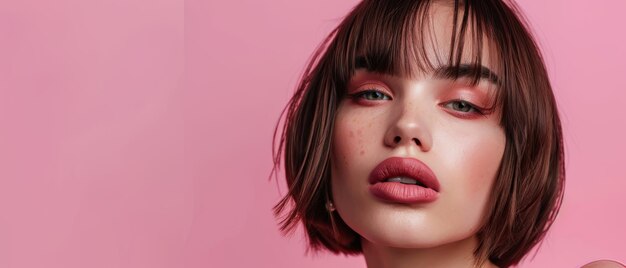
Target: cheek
355 145
351 135
468 163
348 156
478 158
486 158
470 156
344 145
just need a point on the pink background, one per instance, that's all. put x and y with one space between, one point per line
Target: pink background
137 133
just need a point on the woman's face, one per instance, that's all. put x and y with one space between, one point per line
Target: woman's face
428 118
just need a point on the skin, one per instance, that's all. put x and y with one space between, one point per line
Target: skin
463 148
603 264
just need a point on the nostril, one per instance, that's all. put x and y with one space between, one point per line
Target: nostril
418 142
396 139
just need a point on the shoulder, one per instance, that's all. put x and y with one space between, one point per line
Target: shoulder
603 264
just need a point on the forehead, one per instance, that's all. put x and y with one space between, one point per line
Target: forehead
442 30
426 40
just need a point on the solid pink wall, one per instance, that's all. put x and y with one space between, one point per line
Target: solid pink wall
138 133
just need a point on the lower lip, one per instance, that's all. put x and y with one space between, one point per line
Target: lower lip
396 192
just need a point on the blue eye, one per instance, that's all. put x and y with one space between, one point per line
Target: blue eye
371 94
462 106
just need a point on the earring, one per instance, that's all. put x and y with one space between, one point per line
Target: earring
330 206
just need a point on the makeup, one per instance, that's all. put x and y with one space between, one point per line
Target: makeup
403 180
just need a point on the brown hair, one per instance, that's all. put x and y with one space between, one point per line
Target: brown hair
528 190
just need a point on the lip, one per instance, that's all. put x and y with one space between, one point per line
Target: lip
403 193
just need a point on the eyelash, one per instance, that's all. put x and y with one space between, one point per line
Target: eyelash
476 110
364 92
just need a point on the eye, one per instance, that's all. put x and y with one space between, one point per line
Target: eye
371 94
462 106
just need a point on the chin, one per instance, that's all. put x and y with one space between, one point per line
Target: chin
398 240
402 233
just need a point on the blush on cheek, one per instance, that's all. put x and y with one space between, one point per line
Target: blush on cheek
361 144
341 144
483 181
484 169
347 141
346 149
352 135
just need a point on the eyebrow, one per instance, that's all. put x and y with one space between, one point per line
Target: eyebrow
468 71
447 71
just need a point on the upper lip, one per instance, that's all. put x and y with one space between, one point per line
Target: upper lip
405 167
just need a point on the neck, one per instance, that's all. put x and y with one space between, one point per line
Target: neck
457 254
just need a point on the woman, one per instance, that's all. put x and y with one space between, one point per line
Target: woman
424 134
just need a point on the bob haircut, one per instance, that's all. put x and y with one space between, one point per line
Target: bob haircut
388 37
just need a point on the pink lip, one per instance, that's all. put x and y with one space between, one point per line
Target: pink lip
404 193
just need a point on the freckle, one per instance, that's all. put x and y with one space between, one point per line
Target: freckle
358 132
362 152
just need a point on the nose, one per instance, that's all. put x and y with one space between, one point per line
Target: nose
409 129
